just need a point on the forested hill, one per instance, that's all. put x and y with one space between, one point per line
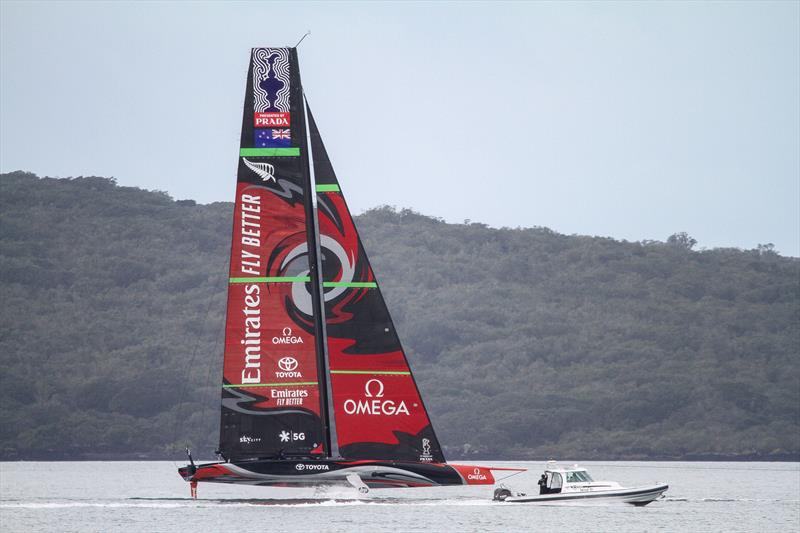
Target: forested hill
525 343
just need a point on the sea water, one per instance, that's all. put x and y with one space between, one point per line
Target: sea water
150 496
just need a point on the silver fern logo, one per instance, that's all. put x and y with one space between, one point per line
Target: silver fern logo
265 171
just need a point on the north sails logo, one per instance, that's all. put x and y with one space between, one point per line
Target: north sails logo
265 171
374 388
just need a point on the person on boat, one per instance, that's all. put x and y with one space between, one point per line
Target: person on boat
543 484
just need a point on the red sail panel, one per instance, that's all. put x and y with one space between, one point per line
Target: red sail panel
271 397
377 407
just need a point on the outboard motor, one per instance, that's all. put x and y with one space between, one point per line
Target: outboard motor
501 493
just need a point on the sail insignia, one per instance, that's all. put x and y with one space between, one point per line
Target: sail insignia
265 171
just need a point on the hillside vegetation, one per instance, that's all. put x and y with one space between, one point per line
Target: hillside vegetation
525 343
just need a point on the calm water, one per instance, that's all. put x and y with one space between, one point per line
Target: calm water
149 496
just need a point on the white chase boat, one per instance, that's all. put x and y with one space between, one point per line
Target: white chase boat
575 485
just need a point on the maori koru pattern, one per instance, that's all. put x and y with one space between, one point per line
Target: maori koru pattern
271 79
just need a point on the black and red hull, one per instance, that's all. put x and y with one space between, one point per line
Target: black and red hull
306 473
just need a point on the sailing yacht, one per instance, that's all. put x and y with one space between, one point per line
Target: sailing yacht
316 387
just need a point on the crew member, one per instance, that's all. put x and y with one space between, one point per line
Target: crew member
543 484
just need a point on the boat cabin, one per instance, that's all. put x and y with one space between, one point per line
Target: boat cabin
573 484
566 479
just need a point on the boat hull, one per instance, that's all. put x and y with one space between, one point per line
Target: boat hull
373 473
638 496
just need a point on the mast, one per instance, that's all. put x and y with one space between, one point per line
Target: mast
316 291
322 338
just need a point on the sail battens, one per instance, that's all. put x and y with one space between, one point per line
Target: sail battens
269 152
253 385
328 187
373 372
272 279
351 284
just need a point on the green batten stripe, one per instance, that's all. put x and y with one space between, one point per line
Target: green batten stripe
328 188
358 284
269 152
249 385
375 372
276 279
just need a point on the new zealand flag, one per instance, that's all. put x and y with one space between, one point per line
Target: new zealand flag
272 138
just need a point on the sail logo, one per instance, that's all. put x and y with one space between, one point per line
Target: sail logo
376 405
368 392
287 338
250 215
477 475
271 80
271 120
265 171
284 397
251 373
426 456
300 467
287 363
288 368
291 436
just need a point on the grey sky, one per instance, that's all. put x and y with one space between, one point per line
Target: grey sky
630 120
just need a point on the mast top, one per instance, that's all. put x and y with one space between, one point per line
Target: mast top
306 34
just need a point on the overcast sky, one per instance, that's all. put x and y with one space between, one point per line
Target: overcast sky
629 120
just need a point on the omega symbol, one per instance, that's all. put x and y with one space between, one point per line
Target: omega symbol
368 389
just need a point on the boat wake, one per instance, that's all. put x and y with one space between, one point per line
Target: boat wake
727 500
165 503
176 503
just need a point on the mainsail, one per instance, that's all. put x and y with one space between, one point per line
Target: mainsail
378 410
272 400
